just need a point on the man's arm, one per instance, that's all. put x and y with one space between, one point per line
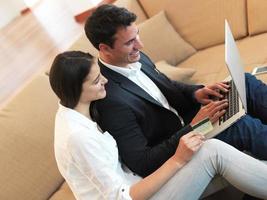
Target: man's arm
132 143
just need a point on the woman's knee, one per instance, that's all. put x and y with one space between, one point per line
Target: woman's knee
215 146
213 143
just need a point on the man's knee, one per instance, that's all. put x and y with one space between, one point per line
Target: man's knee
249 77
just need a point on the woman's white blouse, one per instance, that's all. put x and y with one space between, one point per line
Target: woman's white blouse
88 159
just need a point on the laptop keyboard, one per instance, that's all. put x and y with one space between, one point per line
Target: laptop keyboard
233 101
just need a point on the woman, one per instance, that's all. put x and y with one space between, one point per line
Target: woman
88 159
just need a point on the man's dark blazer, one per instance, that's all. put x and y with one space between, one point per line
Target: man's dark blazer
146 133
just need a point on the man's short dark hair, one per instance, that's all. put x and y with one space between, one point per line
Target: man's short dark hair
67 75
104 23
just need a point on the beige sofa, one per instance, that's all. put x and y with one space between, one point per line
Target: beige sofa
188 34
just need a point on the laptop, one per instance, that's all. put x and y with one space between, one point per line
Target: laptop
237 93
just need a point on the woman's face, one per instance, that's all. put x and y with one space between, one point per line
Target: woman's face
93 87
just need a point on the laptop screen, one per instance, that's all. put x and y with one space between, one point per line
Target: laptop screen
234 64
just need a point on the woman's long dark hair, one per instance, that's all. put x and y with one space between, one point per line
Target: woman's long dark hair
67 75
94 112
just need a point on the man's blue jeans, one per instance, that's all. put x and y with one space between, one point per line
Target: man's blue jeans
250 132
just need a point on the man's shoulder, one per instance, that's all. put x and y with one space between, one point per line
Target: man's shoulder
114 99
113 91
145 58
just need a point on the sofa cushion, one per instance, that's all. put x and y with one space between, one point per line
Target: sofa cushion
162 42
134 7
175 73
28 169
210 64
83 44
257 16
63 193
152 7
253 51
201 22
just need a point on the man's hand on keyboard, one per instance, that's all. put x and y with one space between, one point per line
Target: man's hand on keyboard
214 110
211 93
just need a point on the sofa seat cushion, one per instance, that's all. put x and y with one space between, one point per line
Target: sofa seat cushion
253 50
162 42
28 168
63 193
175 73
210 64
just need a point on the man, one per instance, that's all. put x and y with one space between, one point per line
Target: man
146 112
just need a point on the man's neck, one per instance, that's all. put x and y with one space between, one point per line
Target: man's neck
111 62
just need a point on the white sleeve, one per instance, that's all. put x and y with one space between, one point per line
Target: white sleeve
99 165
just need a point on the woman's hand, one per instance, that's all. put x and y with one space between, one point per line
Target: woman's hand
188 145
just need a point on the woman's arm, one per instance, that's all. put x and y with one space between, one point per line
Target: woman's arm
189 144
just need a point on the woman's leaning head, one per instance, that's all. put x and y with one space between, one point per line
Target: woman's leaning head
75 77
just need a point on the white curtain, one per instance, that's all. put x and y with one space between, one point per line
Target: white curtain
79 6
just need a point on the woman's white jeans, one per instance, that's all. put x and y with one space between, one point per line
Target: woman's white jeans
215 157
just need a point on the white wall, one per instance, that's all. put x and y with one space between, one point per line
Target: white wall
79 6
10 9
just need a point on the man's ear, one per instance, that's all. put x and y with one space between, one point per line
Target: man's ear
104 48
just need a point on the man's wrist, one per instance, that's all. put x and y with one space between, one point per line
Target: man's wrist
195 93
